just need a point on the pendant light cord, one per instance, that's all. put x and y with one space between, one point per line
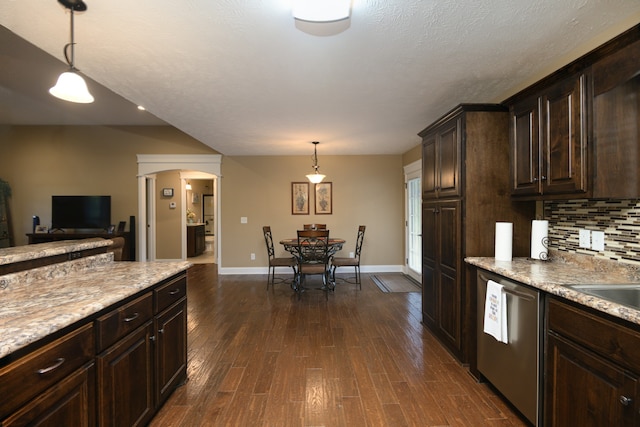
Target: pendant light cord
66 47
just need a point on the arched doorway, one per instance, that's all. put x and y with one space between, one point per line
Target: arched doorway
191 166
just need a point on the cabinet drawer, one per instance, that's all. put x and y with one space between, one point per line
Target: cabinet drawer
30 375
169 293
611 340
121 321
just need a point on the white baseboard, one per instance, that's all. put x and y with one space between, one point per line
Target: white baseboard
265 270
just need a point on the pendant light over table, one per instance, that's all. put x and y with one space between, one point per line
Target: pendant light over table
315 177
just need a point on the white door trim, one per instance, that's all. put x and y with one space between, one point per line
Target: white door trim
192 166
411 171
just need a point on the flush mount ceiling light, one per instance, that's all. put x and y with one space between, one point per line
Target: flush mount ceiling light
71 86
315 177
321 10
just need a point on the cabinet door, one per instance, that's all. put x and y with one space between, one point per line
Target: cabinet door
171 350
564 137
449 154
429 260
584 390
71 402
449 290
125 380
441 287
429 167
525 148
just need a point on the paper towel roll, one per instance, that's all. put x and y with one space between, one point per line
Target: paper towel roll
504 241
539 239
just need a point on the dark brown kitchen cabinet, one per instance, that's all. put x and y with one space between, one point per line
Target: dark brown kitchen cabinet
549 140
171 338
616 109
195 240
465 192
116 368
590 367
441 155
147 354
125 380
70 402
125 364
50 383
442 299
574 133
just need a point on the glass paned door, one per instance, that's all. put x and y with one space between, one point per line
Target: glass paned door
413 238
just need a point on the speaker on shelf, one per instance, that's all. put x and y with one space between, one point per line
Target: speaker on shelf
132 238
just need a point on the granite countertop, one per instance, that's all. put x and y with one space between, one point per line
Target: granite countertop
42 301
43 250
565 269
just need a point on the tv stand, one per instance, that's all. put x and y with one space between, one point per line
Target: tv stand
54 237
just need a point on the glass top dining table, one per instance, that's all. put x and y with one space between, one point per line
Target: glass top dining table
291 245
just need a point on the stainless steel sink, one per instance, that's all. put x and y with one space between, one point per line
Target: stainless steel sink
625 294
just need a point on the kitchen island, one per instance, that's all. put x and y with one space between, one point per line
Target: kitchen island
89 338
588 361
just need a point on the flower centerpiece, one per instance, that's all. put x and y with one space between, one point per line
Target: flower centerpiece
191 215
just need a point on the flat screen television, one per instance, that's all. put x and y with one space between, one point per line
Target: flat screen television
80 212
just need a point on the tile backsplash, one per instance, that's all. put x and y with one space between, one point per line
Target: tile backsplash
618 219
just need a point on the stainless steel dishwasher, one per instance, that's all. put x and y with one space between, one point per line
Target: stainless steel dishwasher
515 368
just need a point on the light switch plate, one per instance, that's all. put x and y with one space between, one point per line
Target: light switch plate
585 239
243 220
597 240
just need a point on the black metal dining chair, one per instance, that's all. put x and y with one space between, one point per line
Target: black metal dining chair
274 261
350 262
314 257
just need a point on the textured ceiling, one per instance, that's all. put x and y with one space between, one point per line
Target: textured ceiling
245 78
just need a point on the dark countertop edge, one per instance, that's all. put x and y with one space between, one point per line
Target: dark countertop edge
42 250
560 289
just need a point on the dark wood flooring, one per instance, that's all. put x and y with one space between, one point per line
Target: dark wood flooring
261 357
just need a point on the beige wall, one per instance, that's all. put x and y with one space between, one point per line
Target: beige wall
367 190
412 155
40 161
168 220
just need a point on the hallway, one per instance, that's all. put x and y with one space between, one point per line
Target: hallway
262 357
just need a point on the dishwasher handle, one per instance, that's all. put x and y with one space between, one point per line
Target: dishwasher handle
513 292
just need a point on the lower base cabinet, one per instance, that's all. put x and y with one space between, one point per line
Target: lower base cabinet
125 380
590 365
171 350
69 403
116 369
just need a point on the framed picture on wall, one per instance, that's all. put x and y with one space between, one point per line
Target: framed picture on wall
299 198
323 198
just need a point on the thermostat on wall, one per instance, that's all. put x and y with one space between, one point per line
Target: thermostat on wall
172 205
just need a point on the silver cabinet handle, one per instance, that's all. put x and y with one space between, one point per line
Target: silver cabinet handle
56 365
625 400
132 318
173 292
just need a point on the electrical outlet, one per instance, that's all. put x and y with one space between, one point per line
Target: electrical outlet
597 240
585 239
253 257
351 255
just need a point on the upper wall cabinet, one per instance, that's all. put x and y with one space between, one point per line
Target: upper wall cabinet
549 140
616 112
575 133
441 161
